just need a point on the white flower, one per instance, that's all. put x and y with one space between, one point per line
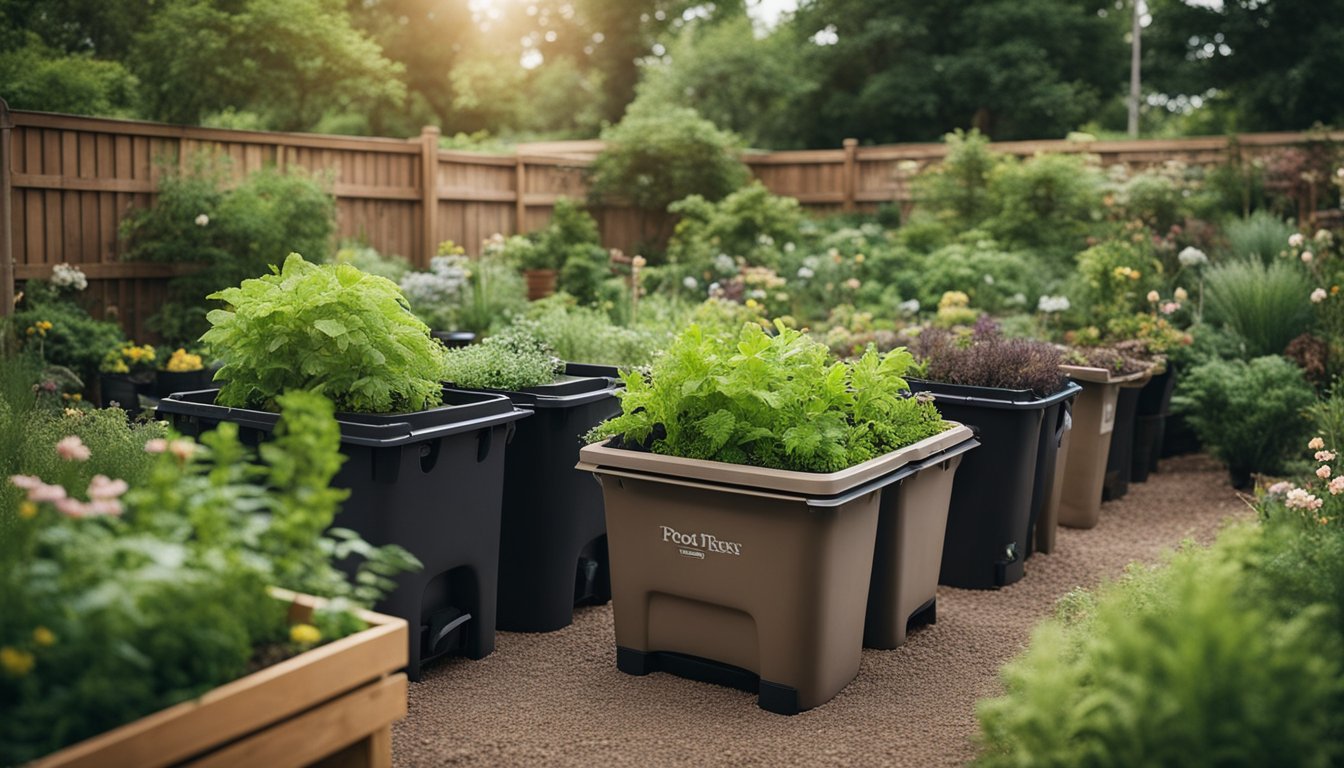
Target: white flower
1154 297
66 276
1296 240
1017 298
789 247
909 307
725 264
1323 236
1316 444
690 282
1050 304
1323 471
805 273
715 290
1192 257
1339 173
1336 486
202 220
1307 256
765 240
1180 294
1318 295
1281 487
1300 499
989 279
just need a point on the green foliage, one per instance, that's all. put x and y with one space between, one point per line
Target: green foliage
366 258
326 328
1262 235
587 335
659 154
118 603
1249 414
772 401
75 340
957 189
513 359
1115 278
750 224
1173 666
235 233
995 280
571 244
39 78
1265 306
1046 203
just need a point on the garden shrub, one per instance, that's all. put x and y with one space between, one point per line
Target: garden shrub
366 258
993 279
771 401
984 358
1155 198
956 190
1248 414
1115 277
233 233
75 339
326 328
659 154
438 295
1171 666
513 359
587 335
1046 203
1265 306
751 225
1262 235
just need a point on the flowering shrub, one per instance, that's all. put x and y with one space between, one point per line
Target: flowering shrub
437 296
133 567
64 333
182 361
129 358
67 277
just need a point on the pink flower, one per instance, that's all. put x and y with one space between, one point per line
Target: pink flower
1170 307
1300 499
103 488
1318 295
1307 256
72 449
1325 455
1316 444
182 449
1282 487
104 507
157 445
25 482
72 508
46 492
1336 486
1323 471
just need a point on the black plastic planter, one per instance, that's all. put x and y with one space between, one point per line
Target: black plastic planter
1055 424
429 481
1150 423
1120 461
125 391
553 545
168 382
454 338
989 522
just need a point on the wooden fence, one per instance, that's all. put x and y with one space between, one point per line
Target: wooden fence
68 181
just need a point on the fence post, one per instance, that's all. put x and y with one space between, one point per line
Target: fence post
520 182
429 192
848 177
6 215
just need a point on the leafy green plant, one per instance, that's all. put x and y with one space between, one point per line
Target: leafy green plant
772 401
133 568
75 339
366 258
1046 203
1249 414
587 335
1265 306
658 154
231 233
1171 666
750 224
326 328
515 358
957 190
993 279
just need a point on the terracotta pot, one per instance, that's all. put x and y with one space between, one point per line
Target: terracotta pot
540 283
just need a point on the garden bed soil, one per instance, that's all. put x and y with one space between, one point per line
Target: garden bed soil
558 700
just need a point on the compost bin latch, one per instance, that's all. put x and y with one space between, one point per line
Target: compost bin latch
585 581
1001 567
441 634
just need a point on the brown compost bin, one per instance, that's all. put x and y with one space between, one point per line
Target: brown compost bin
1090 442
751 577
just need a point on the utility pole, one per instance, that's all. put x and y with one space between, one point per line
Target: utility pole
1135 49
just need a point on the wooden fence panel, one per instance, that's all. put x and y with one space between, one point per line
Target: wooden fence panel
74 179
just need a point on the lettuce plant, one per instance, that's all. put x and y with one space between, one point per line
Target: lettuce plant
776 401
327 328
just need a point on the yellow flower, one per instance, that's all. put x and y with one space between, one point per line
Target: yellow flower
31 330
858 258
752 304
44 637
27 510
15 662
183 361
305 635
44 325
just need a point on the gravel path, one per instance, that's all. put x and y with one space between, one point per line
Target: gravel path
557 699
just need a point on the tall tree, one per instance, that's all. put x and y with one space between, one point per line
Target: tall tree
901 70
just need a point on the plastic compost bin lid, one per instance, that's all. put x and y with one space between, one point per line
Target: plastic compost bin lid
1102 375
602 457
462 411
820 501
580 384
992 397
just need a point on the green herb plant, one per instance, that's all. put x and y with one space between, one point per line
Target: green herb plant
328 328
515 358
776 401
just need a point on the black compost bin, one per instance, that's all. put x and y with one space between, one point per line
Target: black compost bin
1120 461
1055 422
429 481
1150 423
989 520
553 545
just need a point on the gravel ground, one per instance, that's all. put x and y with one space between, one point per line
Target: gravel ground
557 699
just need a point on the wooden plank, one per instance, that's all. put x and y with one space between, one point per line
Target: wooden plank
313 735
78 184
115 270
249 704
374 192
